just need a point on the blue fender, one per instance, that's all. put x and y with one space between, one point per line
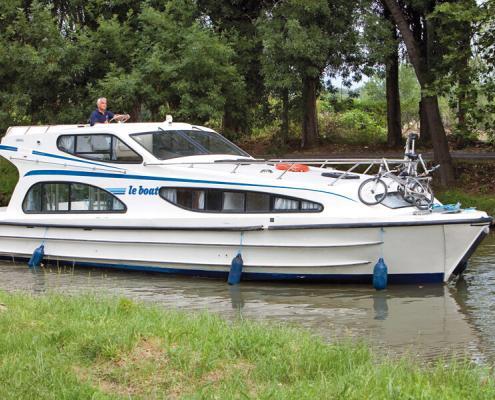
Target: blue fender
235 273
37 257
380 275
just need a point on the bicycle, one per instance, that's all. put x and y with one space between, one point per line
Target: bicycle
414 188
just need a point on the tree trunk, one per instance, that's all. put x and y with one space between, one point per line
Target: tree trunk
461 109
439 141
464 83
230 127
424 131
284 129
413 48
462 106
310 117
135 112
394 126
430 103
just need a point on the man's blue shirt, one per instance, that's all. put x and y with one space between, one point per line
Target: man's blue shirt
100 118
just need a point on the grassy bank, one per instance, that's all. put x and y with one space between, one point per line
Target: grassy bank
484 202
56 346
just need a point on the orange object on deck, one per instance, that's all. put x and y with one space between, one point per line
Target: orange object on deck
292 167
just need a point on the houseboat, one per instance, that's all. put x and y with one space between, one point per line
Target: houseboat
179 198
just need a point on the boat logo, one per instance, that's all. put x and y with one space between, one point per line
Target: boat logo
143 191
133 190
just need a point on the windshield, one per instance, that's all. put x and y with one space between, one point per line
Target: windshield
171 144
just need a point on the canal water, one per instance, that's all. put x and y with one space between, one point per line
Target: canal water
426 321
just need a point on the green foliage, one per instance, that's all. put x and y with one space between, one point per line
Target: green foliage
302 40
229 64
308 37
351 121
358 127
81 347
149 60
463 28
8 179
235 23
373 92
179 67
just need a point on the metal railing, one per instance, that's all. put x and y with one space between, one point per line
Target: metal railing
354 163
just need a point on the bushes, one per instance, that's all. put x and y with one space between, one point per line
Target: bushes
350 125
353 126
8 180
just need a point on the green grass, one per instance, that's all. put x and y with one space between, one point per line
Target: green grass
483 202
81 347
8 180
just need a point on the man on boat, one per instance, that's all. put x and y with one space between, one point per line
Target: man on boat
103 116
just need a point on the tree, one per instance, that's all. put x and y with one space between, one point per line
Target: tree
306 40
235 21
394 125
486 67
278 77
460 25
39 68
420 51
381 56
178 66
148 59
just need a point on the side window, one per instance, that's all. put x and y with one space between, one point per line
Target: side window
257 202
98 147
61 197
235 201
55 197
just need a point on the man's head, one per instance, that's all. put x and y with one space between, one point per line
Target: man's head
101 104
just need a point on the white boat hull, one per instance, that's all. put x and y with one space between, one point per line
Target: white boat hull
413 254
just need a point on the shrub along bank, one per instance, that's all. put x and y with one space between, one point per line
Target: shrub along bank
8 180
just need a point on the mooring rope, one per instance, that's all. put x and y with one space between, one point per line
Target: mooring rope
382 240
240 244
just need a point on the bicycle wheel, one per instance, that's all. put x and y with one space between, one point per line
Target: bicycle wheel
406 194
422 203
401 189
372 191
415 189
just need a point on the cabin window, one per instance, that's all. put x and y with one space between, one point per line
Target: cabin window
257 202
101 147
66 197
235 201
167 144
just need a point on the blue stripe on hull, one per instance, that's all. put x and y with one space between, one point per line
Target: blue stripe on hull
8 148
256 276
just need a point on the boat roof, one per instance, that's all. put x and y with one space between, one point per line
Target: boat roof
99 128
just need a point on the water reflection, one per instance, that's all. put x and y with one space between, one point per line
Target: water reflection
426 321
380 305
